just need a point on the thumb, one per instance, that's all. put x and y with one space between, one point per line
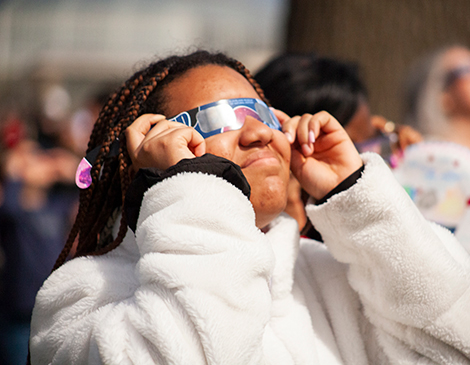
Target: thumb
196 143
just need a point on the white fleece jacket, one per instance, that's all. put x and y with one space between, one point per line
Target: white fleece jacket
200 284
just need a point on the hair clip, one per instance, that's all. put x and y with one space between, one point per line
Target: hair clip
83 173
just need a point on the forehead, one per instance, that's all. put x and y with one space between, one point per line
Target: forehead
203 85
456 57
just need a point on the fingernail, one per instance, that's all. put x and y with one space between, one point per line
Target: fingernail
306 150
311 137
289 137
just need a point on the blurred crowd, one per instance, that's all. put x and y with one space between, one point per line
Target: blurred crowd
429 151
39 154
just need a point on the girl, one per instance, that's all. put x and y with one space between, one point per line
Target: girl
210 270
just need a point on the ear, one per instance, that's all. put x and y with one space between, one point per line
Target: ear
448 103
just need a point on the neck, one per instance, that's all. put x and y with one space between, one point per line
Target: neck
459 131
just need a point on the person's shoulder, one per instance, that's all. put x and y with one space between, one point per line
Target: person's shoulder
96 273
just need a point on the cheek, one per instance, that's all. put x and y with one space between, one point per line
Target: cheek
466 92
221 145
462 91
283 147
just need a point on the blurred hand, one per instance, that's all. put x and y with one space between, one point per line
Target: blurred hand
323 155
65 163
406 134
16 158
153 141
28 163
39 170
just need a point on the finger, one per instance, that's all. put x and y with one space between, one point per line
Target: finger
137 141
197 144
289 127
296 163
163 127
320 128
178 144
145 122
280 115
137 131
168 147
378 122
407 136
307 130
327 123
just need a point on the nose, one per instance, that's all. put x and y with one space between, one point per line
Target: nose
255 133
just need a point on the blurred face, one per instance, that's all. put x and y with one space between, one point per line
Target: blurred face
360 128
456 98
262 153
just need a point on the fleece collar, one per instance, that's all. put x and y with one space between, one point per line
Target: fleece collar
284 238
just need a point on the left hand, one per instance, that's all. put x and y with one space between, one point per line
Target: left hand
323 155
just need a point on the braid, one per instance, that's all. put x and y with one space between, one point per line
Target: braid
111 176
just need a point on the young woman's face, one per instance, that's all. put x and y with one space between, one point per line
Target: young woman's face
262 153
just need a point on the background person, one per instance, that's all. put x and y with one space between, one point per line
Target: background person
300 83
436 173
437 95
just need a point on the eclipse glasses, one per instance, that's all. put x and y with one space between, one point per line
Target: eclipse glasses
226 115
209 119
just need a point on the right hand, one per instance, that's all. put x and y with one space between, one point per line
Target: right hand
153 141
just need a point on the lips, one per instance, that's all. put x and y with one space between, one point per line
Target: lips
263 156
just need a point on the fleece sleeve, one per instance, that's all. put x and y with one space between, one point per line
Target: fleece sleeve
208 164
195 292
412 276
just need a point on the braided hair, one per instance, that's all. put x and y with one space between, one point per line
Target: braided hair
101 203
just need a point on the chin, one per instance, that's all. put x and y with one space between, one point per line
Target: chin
264 218
268 202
